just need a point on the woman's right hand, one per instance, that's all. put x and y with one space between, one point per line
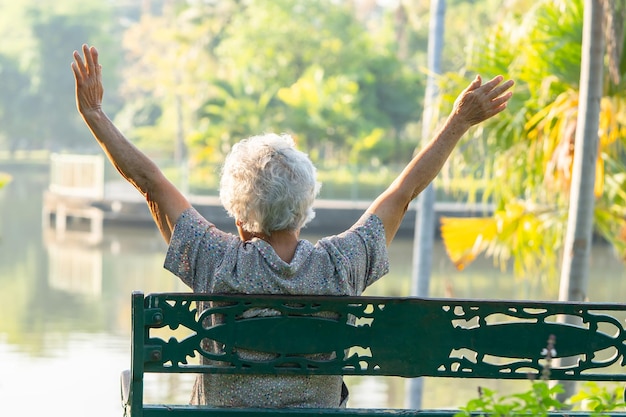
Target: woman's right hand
88 76
165 201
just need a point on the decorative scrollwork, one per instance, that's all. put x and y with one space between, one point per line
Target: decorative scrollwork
386 336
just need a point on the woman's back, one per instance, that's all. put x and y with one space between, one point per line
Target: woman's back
209 260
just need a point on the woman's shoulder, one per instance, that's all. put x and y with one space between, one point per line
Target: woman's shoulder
367 231
193 226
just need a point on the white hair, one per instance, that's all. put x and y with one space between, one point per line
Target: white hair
268 185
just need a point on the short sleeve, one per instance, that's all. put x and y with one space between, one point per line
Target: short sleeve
361 252
196 249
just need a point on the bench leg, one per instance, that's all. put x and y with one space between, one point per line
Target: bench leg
125 391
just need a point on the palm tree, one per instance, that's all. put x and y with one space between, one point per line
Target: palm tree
577 247
573 284
531 153
578 240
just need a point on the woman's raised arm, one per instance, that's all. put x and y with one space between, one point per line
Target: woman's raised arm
477 103
165 201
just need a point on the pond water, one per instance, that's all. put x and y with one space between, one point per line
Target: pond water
65 304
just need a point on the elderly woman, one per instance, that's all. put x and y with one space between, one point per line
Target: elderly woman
268 187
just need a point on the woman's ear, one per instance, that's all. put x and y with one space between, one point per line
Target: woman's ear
242 233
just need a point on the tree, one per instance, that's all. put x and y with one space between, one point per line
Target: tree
527 157
339 89
15 128
162 100
578 240
54 85
34 57
577 247
335 82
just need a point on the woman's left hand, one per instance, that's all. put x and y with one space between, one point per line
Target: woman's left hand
479 102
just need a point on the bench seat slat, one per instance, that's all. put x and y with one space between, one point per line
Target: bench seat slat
170 411
178 410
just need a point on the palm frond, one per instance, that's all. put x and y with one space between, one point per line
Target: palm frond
466 238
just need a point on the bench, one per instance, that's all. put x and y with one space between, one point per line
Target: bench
406 337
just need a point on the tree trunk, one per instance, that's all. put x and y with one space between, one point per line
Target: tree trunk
425 216
578 240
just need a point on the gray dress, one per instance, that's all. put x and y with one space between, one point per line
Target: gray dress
209 260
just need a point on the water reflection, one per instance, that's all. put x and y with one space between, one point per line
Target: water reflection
65 305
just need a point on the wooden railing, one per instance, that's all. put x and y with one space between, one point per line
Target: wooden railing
77 175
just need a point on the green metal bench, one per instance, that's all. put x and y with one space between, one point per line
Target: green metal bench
406 337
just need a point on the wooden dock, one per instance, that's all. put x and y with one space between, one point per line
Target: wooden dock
78 196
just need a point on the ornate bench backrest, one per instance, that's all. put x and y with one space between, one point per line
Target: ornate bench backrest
406 337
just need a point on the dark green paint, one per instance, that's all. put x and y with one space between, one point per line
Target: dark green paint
406 337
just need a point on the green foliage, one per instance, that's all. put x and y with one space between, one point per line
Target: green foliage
245 111
276 42
357 63
15 126
310 68
540 400
354 182
331 86
320 106
540 50
34 64
599 399
525 154
537 401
